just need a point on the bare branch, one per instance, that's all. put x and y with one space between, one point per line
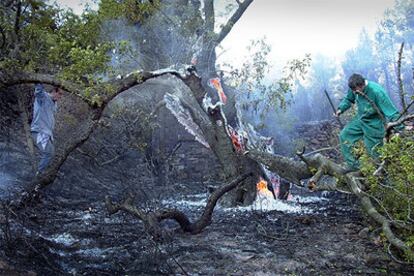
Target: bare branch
316 177
400 82
151 219
234 18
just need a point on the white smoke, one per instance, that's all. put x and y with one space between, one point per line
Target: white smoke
183 116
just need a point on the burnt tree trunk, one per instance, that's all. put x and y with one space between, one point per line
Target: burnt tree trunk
215 132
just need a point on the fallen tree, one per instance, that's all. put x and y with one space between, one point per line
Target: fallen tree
314 167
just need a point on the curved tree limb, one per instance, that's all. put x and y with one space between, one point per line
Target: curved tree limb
119 85
80 135
151 219
139 77
16 78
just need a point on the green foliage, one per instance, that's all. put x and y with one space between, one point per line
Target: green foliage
296 69
51 40
394 190
133 10
137 125
253 75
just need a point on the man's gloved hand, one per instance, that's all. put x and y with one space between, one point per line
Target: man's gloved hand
397 132
337 113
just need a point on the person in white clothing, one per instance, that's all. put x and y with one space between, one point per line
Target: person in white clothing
43 123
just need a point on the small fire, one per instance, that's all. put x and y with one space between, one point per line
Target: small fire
236 139
262 189
215 82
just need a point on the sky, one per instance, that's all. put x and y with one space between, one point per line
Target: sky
296 27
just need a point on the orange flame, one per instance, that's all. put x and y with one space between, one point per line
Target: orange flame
235 139
262 188
215 82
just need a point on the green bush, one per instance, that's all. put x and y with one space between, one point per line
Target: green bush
393 190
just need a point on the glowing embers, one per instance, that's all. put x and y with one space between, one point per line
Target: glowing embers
216 84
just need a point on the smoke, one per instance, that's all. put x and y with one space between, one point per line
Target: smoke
184 118
162 40
306 106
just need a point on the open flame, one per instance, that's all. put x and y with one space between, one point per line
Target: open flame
262 189
237 140
215 83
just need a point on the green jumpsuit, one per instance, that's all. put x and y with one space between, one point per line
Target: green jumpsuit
367 123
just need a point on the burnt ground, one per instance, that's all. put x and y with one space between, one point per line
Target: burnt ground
63 236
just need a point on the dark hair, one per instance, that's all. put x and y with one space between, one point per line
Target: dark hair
355 81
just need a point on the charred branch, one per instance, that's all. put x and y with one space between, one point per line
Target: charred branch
292 170
151 219
400 82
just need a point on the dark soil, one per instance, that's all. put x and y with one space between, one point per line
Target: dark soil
63 236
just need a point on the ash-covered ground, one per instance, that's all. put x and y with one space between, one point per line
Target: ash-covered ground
312 234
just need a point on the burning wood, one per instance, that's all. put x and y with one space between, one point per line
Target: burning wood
216 83
262 190
238 140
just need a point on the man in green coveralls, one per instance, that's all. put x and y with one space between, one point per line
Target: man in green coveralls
367 123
